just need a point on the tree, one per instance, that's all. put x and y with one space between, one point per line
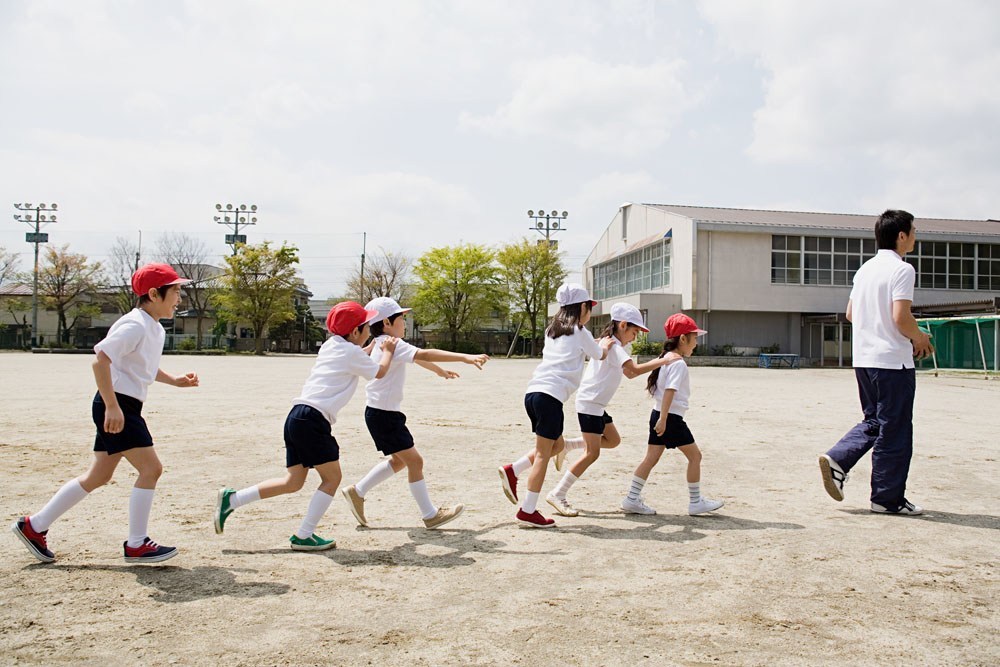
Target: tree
457 287
532 272
259 287
188 256
385 275
304 324
63 279
122 262
8 265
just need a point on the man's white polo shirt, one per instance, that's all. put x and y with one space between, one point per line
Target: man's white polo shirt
876 341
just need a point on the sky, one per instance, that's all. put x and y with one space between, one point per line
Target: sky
427 124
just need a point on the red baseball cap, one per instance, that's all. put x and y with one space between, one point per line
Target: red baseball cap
347 316
152 276
679 324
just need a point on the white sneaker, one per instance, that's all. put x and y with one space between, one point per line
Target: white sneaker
833 477
561 505
636 506
704 505
908 508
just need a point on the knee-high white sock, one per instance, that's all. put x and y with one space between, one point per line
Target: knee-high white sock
694 491
69 495
635 487
318 506
419 491
562 488
521 465
375 476
530 503
251 494
140 504
574 443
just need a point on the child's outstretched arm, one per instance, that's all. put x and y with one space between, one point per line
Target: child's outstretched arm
633 370
661 423
437 370
388 347
114 418
186 380
477 360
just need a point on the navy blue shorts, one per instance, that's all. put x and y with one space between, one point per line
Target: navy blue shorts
134 434
309 440
677 433
388 430
545 413
593 423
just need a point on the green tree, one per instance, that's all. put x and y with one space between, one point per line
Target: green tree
259 287
532 272
304 325
457 287
68 283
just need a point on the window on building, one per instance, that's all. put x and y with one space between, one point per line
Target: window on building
644 269
989 267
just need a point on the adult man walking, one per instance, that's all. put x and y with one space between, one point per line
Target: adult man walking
885 340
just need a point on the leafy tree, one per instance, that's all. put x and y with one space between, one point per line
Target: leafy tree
385 275
457 287
8 265
122 260
63 280
532 272
189 255
314 330
259 287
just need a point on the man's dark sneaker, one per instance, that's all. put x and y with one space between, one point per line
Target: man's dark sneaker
833 477
35 541
222 509
908 508
534 520
509 481
148 552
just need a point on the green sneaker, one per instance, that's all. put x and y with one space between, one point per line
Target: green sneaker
314 543
222 509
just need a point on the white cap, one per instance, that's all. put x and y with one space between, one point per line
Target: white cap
573 293
385 307
626 312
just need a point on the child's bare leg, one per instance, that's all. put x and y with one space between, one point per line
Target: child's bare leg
330 477
693 455
653 454
593 443
102 468
412 460
147 464
293 481
610 438
543 452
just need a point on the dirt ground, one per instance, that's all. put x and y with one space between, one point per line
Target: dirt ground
783 575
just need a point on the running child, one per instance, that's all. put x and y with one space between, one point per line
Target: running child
128 361
567 344
309 441
671 391
600 382
386 422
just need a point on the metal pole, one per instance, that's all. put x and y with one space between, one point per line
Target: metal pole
364 245
34 291
982 352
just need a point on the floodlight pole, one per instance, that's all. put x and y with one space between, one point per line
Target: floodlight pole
241 215
36 237
553 222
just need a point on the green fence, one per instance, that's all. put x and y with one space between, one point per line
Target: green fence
963 342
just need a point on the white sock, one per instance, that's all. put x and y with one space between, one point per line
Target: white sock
244 497
574 443
140 503
419 491
635 488
694 491
521 465
530 504
562 488
318 506
69 495
375 476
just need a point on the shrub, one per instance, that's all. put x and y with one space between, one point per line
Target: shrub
463 346
187 345
642 345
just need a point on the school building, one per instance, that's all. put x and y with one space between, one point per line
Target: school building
777 280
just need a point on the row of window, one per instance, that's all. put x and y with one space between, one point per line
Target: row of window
817 260
644 269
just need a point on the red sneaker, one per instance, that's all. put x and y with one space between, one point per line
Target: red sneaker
534 520
148 552
509 481
32 539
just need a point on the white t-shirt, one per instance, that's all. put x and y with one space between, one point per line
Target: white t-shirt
334 376
876 341
676 377
601 381
386 393
561 369
134 344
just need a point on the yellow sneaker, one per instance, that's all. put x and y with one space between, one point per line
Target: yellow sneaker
444 515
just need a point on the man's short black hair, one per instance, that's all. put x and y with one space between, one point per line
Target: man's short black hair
889 225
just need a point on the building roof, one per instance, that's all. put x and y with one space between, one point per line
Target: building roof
843 221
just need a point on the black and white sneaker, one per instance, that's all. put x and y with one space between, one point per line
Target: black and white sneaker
908 509
833 477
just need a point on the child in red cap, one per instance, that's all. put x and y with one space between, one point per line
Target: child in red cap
309 441
671 391
128 361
